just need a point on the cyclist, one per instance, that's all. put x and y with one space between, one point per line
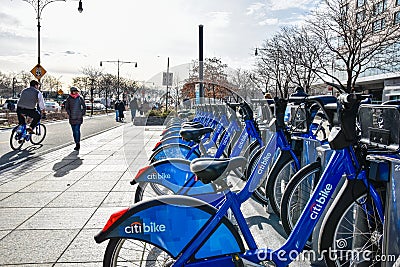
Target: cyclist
30 97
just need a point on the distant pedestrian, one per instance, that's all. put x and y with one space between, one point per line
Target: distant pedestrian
76 109
133 105
116 110
121 109
299 92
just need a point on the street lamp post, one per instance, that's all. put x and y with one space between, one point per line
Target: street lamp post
13 86
39 5
166 95
119 62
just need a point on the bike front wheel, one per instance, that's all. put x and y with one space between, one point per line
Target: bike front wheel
282 171
297 193
16 140
39 133
355 232
130 252
150 191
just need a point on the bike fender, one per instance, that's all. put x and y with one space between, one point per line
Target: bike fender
171 140
171 222
173 174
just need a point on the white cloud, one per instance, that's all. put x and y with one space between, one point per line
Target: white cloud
272 21
219 19
286 4
254 8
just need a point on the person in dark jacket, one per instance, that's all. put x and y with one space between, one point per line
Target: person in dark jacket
76 109
121 109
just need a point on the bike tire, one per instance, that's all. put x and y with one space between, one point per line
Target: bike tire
146 190
297 193
344 233
16 141
282 171
135 253
39 133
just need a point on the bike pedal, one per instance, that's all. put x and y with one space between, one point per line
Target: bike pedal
237 260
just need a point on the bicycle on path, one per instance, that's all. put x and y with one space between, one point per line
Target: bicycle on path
19 135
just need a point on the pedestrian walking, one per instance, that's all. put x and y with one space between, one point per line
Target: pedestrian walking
133 105
116 104
76 109
121 109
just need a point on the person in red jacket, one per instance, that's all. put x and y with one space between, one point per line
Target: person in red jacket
76 109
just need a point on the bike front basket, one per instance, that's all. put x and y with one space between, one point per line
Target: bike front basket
380 126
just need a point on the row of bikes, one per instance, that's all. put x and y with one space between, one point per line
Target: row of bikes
328 166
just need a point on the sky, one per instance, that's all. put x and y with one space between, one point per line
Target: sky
147 32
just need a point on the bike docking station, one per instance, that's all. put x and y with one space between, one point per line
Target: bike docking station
381 129
392 216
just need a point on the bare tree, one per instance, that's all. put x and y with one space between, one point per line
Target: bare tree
358 37
243 80
302 49
274 63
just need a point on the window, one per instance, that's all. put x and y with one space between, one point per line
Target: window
379 7
361 3
397 2
397 17
378 25
360 16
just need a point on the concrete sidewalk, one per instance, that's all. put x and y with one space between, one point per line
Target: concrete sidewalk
52 206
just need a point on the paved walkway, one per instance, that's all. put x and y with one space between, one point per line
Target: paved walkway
52 206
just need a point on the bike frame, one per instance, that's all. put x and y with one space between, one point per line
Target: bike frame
342 162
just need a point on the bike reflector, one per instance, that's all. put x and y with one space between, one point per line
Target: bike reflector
141 171
113 218
157 145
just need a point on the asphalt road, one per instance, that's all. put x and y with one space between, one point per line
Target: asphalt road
59 134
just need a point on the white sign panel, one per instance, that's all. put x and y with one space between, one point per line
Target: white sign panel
164 78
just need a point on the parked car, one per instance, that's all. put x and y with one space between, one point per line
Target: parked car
52 106
97 105
11 104
88 104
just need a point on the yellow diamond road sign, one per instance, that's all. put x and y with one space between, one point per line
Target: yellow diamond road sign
38 71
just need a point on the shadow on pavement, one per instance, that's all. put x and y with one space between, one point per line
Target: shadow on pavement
273 220
17 155
67 164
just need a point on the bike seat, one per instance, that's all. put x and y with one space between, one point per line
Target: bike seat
192 124
194 134
209 169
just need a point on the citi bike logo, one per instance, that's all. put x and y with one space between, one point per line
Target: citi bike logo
158 176
320 201
264 163
242 141
139 227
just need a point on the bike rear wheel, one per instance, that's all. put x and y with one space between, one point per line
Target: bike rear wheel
16 140
39 133
130 252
